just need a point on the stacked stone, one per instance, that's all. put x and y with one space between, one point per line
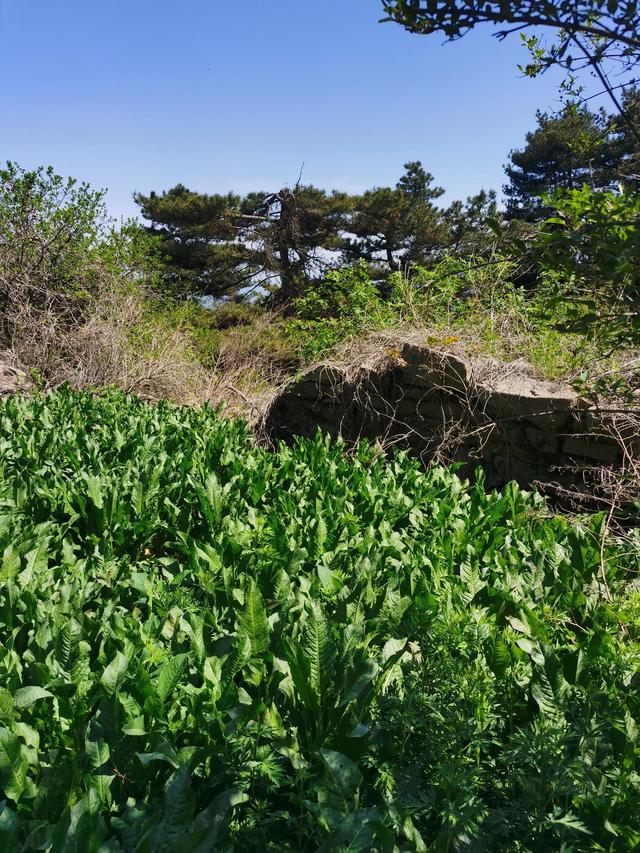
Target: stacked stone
475 411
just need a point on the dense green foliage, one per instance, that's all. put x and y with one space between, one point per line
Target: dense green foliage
591 250
400 223
229 245
57 241
569 150
564 152
204 645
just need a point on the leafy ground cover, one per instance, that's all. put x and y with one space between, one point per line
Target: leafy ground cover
208 646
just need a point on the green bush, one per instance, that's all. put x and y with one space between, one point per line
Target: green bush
339 306
204 645
58 244
590 250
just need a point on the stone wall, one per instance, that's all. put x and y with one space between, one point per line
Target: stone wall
452 407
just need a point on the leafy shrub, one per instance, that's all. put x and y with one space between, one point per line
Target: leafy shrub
204 645
78 298
347 294
339 306
591 250
58 247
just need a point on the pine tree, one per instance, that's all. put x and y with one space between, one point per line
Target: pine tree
228 245
399 224
563 152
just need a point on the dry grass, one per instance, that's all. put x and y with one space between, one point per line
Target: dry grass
246 376
115 343
117 339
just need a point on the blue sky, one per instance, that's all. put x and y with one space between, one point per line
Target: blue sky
236 94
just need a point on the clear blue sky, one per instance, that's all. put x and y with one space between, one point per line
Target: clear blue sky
236 94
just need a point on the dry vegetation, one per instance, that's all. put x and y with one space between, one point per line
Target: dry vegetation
112 344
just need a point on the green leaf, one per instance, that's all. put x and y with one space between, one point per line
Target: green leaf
318 650
520 625
114 674
9 829
179 803
6 706
472 581
253 622
24 697
35 560
169 676
210 821
542 692
99 755
94 490
13 765
10 565
87 829
570 821
164 752
359 679
343 771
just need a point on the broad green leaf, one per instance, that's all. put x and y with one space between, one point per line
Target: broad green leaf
6 706
87 829
35 560
24 697
169 676
9 828
358 680
212 818
114 673
94 490
343 771
164 752
10 565
13 765
253 622
520 624
318 650
99 755
542 692
179 803
472 581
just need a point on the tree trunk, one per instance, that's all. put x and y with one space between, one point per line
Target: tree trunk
286 226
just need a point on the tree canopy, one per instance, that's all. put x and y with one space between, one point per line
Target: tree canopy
563 152
227 246
566 151
593 34
397 224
